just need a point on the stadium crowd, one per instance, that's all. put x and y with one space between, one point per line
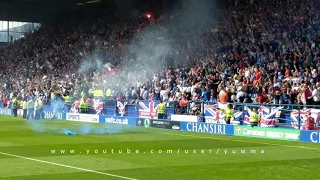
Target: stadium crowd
258 51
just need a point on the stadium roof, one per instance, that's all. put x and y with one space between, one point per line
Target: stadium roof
37 10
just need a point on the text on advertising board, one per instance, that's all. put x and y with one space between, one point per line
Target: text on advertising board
314 137
83 117
51 115
206 128
155 123
5 111
113 120
310 136
270 133
73 117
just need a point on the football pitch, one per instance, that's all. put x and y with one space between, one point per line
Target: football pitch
136 153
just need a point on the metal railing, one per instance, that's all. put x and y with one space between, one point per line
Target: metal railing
290 115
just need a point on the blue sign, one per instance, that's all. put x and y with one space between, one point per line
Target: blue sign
54 115
6 111
131 121
207 128
310 136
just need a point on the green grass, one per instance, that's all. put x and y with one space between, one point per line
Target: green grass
18 142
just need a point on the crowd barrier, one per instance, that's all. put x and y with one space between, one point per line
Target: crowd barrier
272 115
201 127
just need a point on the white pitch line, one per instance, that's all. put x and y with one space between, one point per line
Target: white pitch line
71 167
236 140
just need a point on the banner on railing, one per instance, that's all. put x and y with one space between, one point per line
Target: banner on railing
207 128
268 116
122 108
156 123
147 109
82 117
304 113
310 136
186 118
117 120
6 111
268 133
215 114
219 118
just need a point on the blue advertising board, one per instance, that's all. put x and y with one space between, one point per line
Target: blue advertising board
131 121
53 115
6 111
310 136
207 128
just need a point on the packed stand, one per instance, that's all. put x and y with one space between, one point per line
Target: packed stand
259 52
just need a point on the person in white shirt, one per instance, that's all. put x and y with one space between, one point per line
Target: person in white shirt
247 73
164 95
316 94
145 94
240 95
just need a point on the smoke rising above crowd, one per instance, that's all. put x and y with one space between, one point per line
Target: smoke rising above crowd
158 45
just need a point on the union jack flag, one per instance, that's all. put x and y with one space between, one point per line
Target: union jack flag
122 107
149 111
295 117
98 106
304 114
214 115
266 119
74 109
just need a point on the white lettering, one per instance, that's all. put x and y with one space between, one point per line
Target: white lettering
291 136
5 111
128 151
112 120
194 126
314 137
206 127
212 129
200 128
274 134
221 129
253 132
225 151
96 151
88 151
48 115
